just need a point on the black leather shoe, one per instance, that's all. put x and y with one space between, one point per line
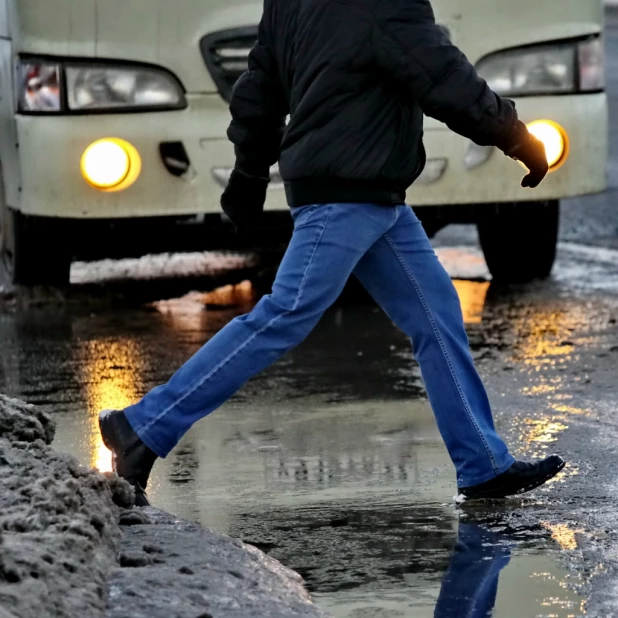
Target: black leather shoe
518 479
132 459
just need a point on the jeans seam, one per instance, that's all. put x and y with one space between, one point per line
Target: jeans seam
301 288
447 358
239 348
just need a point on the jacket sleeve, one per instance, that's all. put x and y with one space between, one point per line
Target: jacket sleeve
418 55
258 110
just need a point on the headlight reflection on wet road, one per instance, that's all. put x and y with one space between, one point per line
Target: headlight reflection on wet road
111 375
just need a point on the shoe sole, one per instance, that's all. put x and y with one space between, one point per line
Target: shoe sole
522 490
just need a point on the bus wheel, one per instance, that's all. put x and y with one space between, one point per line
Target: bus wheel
519 240
33 250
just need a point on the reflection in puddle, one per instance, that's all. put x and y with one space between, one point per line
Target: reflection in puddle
241 294
470 586
110 374
563 535
543 336
232 295
571 410
306 452
543 389
186 314
472 295
194 311
391 564
541 430
544 345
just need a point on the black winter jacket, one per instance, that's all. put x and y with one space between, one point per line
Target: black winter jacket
355 77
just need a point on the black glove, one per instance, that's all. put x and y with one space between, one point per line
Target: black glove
243 200
531 152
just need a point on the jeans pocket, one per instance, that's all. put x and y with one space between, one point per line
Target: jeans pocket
303 214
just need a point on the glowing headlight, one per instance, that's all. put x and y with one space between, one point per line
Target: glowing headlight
555 139
111 164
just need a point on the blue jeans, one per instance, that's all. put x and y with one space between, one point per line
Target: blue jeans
388 250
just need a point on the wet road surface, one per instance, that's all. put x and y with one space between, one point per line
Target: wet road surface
331 461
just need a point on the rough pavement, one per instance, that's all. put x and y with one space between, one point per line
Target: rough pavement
177 568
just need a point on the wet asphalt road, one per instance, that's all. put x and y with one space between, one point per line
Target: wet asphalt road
331 461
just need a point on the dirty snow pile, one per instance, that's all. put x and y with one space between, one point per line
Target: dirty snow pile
58 522
70 547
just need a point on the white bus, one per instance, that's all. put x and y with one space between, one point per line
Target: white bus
113 117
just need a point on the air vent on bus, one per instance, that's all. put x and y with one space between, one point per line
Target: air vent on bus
226 55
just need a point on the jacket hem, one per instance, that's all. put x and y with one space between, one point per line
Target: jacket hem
309 191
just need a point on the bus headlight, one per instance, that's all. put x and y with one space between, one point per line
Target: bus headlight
555 140
39 87
111 164
111 88
565 67
77 87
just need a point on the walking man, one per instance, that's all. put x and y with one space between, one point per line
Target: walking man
355 78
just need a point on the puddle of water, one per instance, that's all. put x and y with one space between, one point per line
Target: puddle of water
485 577
358 499
300 453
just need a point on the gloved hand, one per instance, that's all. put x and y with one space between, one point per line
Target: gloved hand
531 152
243 200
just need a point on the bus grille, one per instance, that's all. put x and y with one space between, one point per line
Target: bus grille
226 55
